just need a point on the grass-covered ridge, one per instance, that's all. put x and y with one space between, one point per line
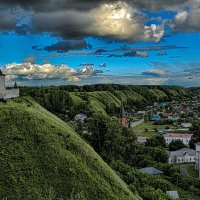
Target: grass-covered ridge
43 158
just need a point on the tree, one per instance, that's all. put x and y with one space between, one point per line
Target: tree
196 134
97 126
175 145
156 141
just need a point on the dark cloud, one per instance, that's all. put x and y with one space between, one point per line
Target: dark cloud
65 46
7 20
130 54
86 64
160 4
78 18
152 48
46 5
100 51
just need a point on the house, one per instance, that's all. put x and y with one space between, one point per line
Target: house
141 112
168 113
7 93
185 138
80 118
162 132
155 118
173 194
184 155
142 139
186 124
151 170
155 104
197 155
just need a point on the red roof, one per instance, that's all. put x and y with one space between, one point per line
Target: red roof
197 143
179 135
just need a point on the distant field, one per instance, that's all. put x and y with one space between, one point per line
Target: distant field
147 134
150 126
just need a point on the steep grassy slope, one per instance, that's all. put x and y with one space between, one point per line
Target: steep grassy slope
41 157
99 100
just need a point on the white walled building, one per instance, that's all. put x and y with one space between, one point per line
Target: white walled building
184 155
7 93
197 154
185 138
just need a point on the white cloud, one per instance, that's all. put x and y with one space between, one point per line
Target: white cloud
31 71
156 72
123 22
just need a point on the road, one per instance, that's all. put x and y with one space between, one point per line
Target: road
136 123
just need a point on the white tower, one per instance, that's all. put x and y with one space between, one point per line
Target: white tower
2 81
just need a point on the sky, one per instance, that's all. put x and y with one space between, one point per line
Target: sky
135 42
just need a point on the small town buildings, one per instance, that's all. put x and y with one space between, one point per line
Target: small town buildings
155 118
185 138
162 132
80 118
151 170
186 124
184 155
173 194
197 155
141 112
156 104
7 93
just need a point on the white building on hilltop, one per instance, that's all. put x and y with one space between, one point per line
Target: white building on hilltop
184 155
7 93
185 138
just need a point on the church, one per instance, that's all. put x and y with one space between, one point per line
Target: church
10 93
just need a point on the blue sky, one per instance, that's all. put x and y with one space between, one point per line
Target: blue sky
109 42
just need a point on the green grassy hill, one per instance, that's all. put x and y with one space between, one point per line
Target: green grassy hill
43 158
99 101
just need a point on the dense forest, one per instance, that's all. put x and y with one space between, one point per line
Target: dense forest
70 100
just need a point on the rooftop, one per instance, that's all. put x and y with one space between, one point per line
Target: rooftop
151 170
179 135
182 152
173 194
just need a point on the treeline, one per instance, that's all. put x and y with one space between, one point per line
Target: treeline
118 147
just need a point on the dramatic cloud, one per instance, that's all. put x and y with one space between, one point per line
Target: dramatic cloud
65 46
7 21
118 20
188 20
29 71
155 72
100 51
